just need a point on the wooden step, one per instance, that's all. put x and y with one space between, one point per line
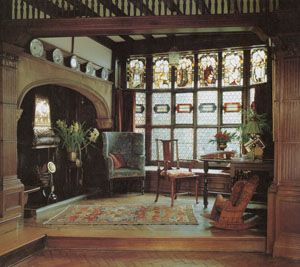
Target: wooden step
21 250
229 244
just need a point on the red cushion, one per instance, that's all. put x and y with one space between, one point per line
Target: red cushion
118 160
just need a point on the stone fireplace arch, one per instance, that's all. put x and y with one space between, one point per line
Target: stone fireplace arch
33 72
102 108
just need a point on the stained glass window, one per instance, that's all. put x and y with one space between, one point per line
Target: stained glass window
207 107
185 142
232 117
235 144
208 69
215 104
204 135
159 100
232 68
42 113
185 117
140 114
258 65
185 72
161 73
136 69
158 133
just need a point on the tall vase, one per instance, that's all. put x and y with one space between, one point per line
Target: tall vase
222 146
72 155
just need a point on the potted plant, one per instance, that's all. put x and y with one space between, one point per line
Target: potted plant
222 138
75 137
255 125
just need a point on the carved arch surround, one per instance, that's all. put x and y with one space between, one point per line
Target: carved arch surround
35 72
99 102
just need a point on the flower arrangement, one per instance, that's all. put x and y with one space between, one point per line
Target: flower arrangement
75 137
223 137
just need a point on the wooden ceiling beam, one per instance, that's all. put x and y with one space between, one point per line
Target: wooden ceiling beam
134 25
191 43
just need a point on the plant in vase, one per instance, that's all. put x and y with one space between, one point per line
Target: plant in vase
75 137
222 138
255 125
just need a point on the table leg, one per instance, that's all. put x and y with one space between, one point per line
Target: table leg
205 190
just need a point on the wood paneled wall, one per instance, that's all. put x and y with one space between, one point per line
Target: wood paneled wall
284 227
11 190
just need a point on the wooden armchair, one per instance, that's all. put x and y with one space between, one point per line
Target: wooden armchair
228 213
172 174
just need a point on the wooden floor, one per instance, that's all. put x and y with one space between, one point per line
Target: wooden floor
139 245
83 258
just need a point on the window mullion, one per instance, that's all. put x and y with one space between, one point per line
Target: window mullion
220 76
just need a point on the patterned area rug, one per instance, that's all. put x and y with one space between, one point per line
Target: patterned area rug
128 215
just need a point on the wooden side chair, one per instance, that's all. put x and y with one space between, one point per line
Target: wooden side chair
229 213
174 175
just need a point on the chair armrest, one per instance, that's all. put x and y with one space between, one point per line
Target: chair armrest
110 166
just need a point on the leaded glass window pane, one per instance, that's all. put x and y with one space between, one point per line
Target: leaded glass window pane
161 73
232 117
185 72
204 135
158 133
159 100
232 68
235 144
185 142
136 72
186 117
140 130
207 107
258 65
208 70
140 113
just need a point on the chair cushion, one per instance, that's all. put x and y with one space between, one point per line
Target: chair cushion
118 160
176 173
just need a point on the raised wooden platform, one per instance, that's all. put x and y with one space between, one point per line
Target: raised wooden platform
202 237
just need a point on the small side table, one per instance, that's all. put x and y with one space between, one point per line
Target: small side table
206 168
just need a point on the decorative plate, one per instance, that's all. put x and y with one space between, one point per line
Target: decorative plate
51 167
36 48
104 74
74 63
58 57
90 70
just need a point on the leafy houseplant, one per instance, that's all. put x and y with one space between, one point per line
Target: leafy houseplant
255 123
254 126
75 137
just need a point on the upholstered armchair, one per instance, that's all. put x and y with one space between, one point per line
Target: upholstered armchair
124 154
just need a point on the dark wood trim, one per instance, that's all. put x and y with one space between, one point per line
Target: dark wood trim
134 25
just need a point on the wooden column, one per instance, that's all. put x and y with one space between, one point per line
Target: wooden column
284 194
11 189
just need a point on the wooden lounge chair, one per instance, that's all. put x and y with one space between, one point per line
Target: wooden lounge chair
229 213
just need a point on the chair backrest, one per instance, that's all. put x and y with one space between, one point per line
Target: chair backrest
247 192
236 191
167 149
125 143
